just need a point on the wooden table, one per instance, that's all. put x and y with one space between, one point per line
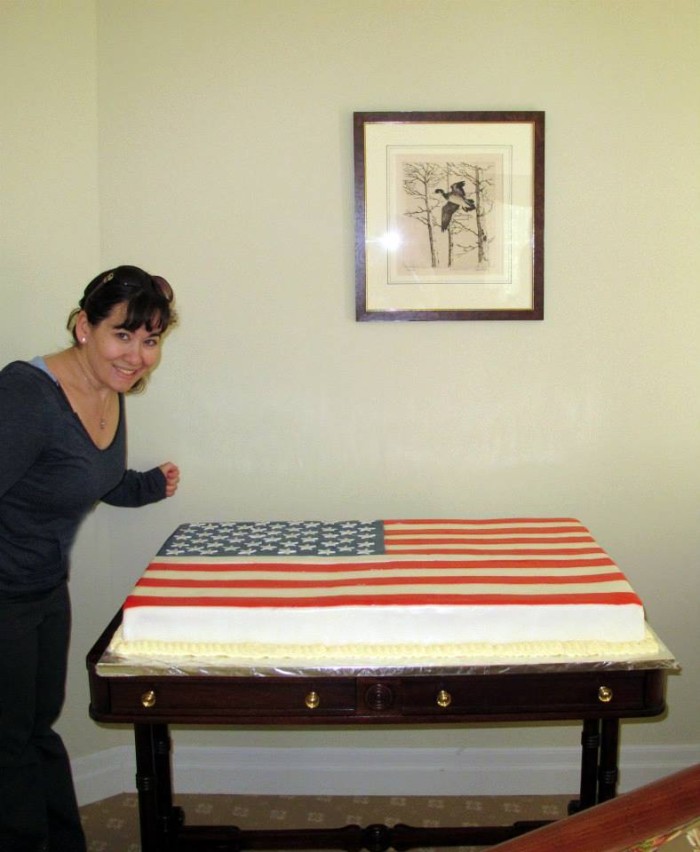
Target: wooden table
597 693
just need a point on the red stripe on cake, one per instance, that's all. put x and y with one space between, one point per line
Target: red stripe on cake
434 548
533 534
461 539
608 599
470 522
184 583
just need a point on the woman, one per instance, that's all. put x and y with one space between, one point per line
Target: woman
62 449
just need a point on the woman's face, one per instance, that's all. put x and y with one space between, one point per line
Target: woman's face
116 357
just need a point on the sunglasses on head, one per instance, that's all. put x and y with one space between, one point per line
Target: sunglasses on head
157 282
163 287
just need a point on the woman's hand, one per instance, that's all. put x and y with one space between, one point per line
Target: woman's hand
172 477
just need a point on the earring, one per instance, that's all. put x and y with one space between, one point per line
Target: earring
83 339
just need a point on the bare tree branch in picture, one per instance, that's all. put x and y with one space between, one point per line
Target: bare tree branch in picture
419 182
469 232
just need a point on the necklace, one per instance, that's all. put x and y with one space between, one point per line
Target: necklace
103 416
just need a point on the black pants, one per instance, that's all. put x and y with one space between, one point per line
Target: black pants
38 808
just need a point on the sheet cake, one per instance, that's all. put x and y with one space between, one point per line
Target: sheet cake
393 583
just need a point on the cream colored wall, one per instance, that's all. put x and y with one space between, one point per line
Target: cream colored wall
225 163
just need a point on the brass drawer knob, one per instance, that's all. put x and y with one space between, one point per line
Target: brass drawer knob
148 699
444 699
312 700
605 694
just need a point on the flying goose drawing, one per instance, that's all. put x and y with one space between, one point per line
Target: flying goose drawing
454 199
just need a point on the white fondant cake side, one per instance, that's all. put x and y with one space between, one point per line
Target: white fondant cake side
385 625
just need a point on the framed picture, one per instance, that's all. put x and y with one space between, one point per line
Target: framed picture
449 215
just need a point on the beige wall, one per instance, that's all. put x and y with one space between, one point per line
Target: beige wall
211 141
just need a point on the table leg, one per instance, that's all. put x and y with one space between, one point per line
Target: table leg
158 818
590 746
609 748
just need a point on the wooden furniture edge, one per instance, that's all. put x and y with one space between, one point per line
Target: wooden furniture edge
616 825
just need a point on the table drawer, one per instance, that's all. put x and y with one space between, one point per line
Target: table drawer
613 693
262 697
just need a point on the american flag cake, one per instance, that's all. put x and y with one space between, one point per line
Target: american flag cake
393 582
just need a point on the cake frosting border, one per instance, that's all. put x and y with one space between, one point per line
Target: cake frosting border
259 653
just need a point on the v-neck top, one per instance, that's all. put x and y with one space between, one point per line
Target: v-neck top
51 475
40 362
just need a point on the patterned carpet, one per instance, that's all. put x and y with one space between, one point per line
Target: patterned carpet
112 824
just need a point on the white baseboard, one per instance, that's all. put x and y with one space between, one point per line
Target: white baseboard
373 772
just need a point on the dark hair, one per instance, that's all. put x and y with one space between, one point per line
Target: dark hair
148 300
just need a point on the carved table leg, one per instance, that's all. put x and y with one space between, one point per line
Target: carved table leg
609 746
158 818
590 747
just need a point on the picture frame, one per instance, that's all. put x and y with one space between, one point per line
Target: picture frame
449 216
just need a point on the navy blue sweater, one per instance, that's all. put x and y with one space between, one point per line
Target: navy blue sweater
51 475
